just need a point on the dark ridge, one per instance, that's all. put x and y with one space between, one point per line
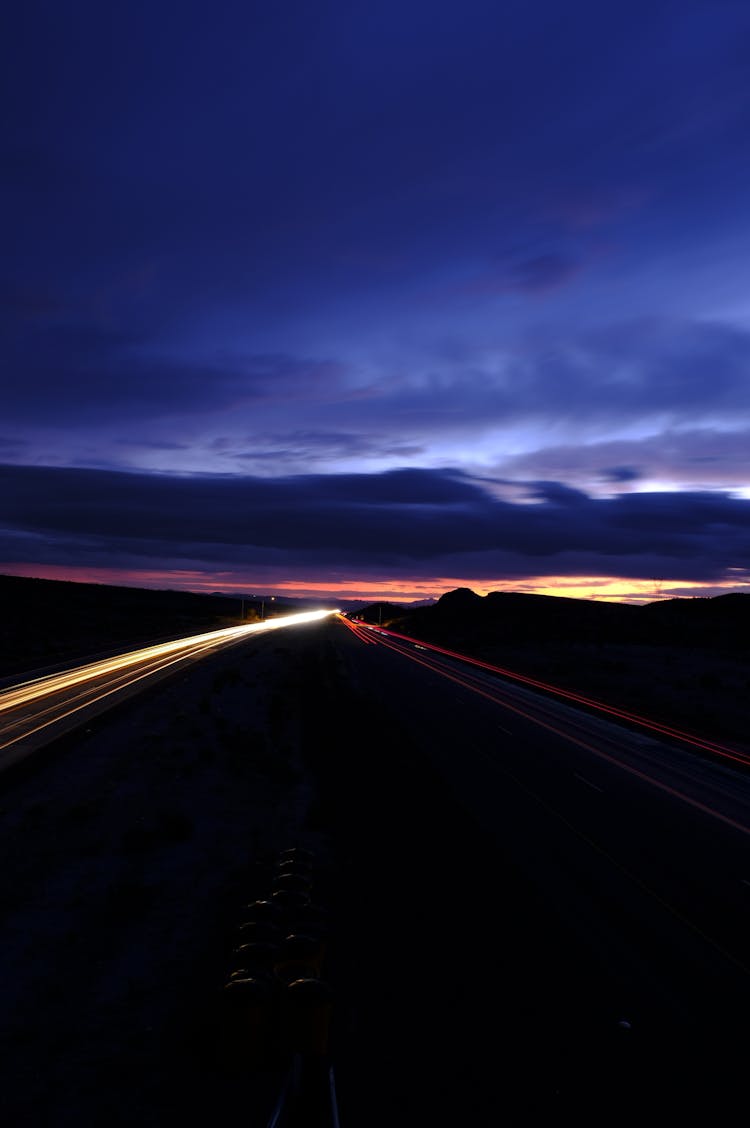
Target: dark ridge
50 622
379 613
683 662
721 622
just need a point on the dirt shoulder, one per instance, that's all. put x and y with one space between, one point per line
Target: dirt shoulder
127 859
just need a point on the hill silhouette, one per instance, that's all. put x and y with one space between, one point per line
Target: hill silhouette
682 661
47 622
721 622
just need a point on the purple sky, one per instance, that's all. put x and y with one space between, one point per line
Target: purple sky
377 298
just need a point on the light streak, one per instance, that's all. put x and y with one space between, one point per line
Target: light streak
356 629
704 744
497 698
31 706
52 683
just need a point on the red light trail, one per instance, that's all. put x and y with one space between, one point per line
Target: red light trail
705 745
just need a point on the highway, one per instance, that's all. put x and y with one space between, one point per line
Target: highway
635 842
540 907
41 709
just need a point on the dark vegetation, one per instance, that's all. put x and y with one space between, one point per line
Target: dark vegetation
682 661
46 622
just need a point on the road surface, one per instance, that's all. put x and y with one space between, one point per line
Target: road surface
537 911
39 710
577 895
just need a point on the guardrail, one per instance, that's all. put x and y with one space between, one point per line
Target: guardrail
276 1004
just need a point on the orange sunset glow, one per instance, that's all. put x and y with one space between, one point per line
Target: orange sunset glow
604 588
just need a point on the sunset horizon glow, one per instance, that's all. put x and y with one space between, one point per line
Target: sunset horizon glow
602 588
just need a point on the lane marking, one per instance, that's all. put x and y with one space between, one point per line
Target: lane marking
565 735
612 710
588 782
670 908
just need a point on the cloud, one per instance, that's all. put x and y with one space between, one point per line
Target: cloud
537 274
543 272
655 369
620 473
304 447
689 459
85 373
405 523
657 374
73 372
11 445
327 134
556 494
230 273
578 398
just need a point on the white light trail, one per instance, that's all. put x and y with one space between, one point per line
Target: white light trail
48 702
53 683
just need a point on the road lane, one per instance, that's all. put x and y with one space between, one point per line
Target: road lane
36 712
637 847
523 928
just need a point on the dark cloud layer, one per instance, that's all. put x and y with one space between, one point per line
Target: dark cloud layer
227 153
71 374
326 243
401 523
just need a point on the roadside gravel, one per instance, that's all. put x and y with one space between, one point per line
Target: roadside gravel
127 857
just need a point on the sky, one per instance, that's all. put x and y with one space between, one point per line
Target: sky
377 300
